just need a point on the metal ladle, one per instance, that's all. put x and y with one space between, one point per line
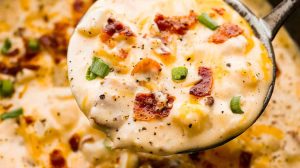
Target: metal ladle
265 28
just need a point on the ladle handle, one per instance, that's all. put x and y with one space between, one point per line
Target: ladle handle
278 16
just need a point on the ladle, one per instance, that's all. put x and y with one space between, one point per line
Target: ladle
265 28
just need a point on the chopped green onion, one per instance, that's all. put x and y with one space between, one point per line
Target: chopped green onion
99 68
208 21
235 105
12 114
179 73
34 45
90 75
6 88
6 46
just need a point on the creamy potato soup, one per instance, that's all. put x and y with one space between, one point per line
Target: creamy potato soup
167 76
41 125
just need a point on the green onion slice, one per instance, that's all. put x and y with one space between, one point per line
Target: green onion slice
99 68
90 75
6 46
206 20
12 114
179 73
6 88
235 105
34 44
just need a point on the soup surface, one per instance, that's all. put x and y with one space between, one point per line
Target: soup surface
53 132
167 76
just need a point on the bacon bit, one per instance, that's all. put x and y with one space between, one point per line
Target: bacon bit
57 160
79 8
146 65
57 41
209 101
15 68
29 53
203 88
78 5
199 160
176 24
74 142
245 159
9 70
12 53
145 107
220 11
49 41
29 120
114 27
225 32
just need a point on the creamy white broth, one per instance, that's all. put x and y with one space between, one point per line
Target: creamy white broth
236 72
272 141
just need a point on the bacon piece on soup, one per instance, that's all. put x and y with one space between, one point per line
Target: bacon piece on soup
56 42
29 120
203 88
74 142
151 106
245 159
57 160
176 24
225 32
14 52
78 5
79 8
113 27
146 65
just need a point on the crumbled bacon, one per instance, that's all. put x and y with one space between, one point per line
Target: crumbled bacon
78 5
57 160
176 24
146 65
29 53
203 88
48 41
9 70
29 120
145 107
13 69
225 32
209 101
114 27
57 41
199 160
12 53
220 11
74 142
79 8
245 159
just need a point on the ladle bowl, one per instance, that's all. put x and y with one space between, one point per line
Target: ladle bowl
265 29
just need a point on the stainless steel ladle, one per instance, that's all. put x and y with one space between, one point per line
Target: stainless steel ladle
265 28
